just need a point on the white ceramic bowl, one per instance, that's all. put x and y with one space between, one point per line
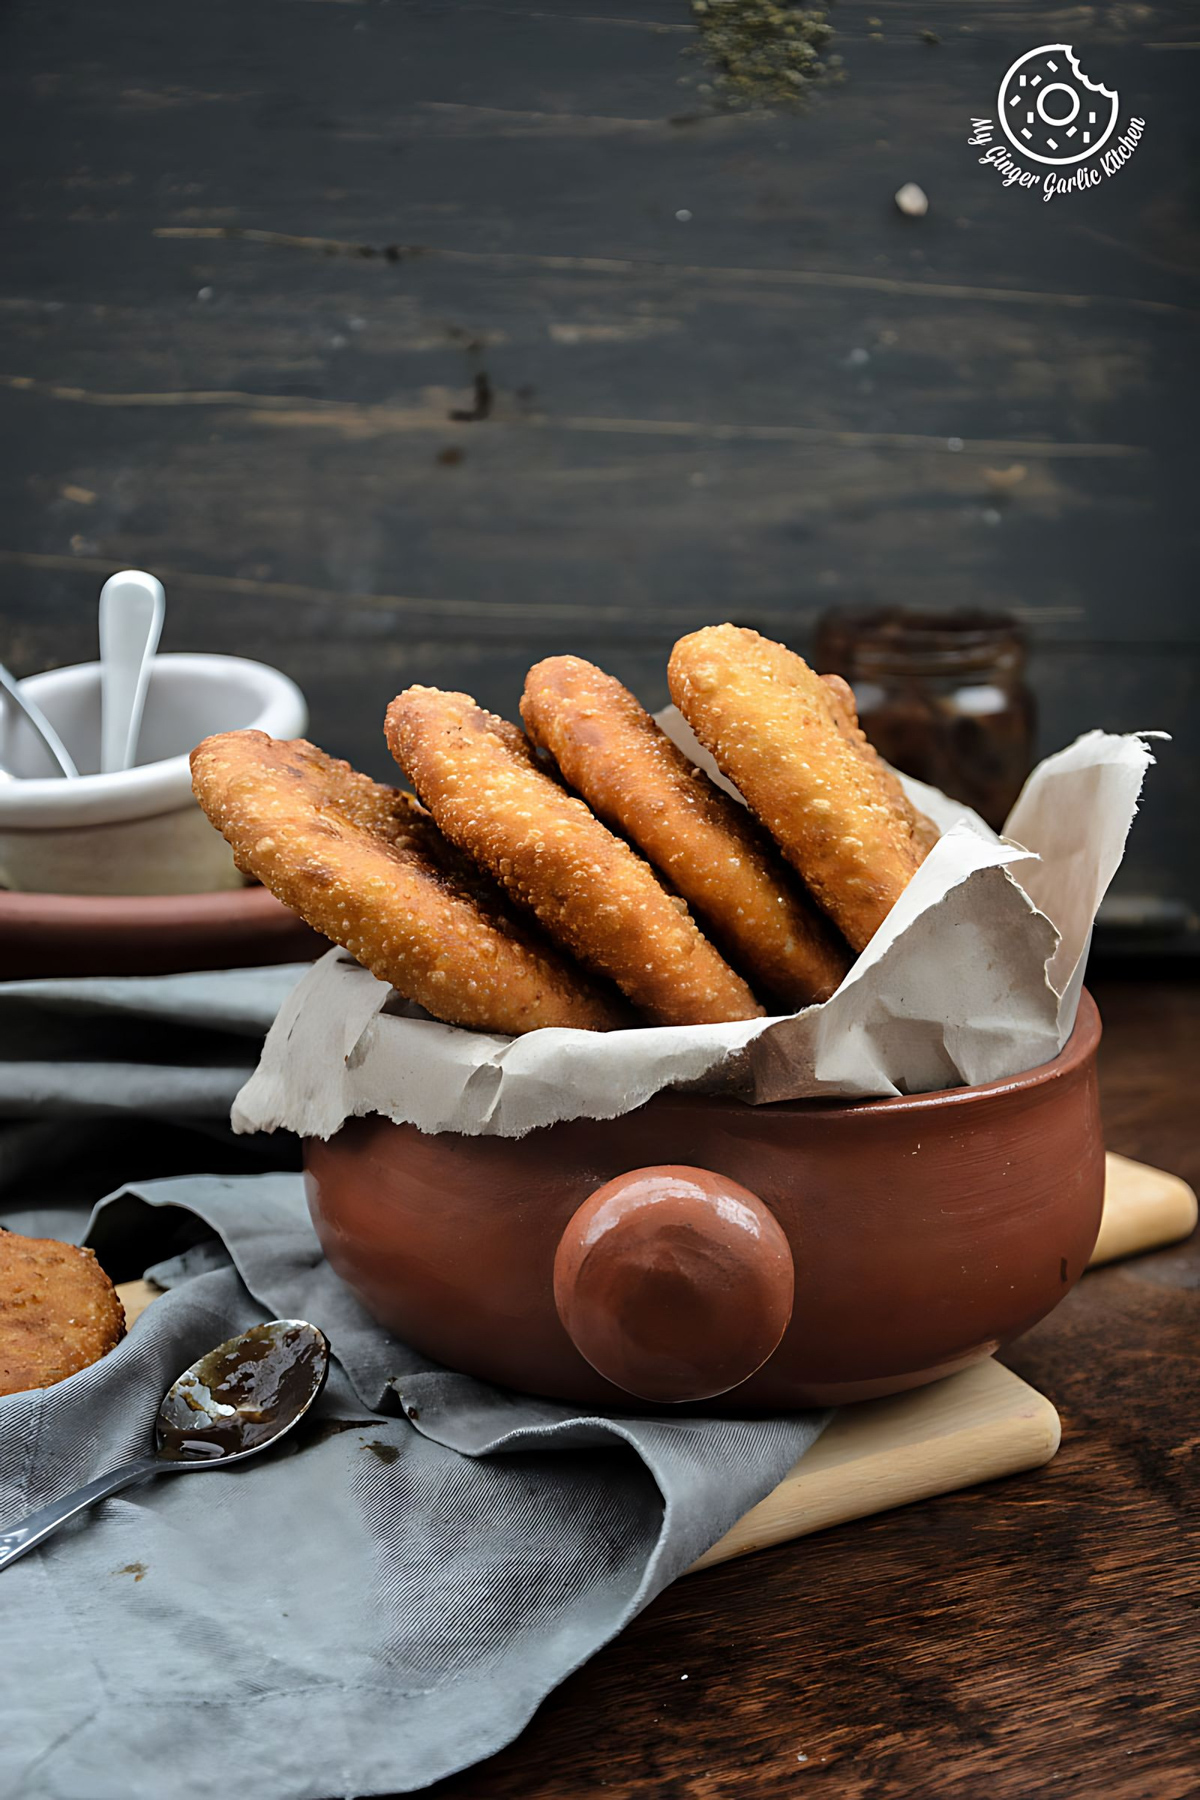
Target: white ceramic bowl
139 832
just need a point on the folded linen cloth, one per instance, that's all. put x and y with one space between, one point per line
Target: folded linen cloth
382 1600
105 1077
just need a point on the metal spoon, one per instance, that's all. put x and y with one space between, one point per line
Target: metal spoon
237 1400
36 719
132 605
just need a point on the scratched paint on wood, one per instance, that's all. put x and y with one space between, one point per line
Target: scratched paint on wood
414 343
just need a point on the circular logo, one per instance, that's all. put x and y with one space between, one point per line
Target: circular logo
1050 111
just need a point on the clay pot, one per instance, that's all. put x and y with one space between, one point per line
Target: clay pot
149 934
702 1251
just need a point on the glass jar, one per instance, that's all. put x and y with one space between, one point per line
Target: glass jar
941 695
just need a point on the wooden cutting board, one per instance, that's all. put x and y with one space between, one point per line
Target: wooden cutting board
972 1427
969 1428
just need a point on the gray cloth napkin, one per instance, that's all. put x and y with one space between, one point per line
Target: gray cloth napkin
107 1077
382 1600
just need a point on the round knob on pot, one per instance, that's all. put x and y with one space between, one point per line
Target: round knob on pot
674 1283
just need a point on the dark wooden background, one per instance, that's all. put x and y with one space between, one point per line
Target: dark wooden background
258 255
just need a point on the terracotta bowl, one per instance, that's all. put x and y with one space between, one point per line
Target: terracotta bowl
148 934
708 1253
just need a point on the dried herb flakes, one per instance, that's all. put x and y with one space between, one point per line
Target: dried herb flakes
761 53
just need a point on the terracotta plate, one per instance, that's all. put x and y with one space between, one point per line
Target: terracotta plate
155 934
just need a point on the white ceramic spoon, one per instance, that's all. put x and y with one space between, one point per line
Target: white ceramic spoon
132 605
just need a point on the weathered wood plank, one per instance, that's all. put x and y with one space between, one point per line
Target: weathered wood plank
754 410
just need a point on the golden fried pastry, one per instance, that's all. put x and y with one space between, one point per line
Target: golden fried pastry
367 866
58 1311
591 892
845 714
772 726
710 849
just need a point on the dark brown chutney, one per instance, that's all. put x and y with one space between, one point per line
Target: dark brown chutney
244 1392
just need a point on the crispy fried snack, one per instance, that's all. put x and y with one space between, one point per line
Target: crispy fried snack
592 893
710 849
773 727
367 866
845 714
58 1311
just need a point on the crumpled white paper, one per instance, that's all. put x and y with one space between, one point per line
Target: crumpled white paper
974 976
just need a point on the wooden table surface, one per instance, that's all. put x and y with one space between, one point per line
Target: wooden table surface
412 342
1036 1636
